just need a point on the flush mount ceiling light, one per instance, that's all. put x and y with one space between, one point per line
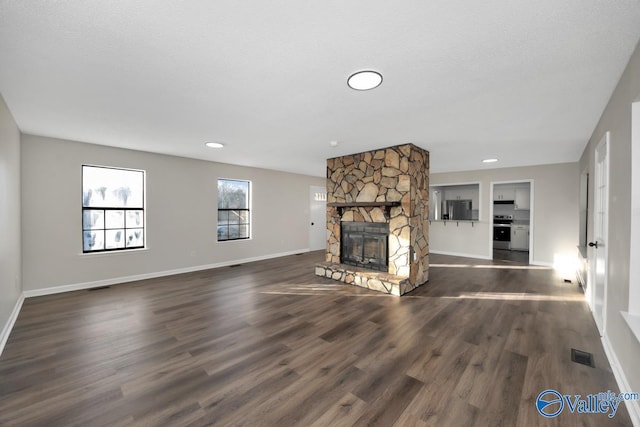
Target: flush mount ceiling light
364 80
214 144
333 143
489 160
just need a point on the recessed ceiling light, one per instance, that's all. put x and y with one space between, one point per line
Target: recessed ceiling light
364 80
489 160
333 143
214 144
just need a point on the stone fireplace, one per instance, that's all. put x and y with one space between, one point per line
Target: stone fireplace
377 219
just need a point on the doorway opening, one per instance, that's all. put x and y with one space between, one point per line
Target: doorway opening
317 218
511 219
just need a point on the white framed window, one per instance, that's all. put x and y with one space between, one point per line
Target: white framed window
112 209
234 210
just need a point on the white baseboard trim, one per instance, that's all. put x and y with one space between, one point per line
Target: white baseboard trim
6 331
124 279
460 254
633 406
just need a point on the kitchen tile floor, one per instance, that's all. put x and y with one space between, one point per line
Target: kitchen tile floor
516 257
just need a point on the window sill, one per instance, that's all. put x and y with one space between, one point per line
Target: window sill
234 240
110 253
634 323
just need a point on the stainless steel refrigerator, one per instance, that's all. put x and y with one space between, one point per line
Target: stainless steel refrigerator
457 209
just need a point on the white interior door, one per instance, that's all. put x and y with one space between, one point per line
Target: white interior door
598 245
318 218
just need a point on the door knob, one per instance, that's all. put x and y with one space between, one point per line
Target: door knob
593 244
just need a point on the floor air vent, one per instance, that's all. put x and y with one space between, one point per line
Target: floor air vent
582 357
235 265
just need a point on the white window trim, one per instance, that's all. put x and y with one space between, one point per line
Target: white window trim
113 252
632 316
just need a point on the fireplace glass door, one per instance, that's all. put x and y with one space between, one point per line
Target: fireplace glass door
365 244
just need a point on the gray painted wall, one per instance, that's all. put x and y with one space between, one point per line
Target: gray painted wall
181 203
10 252
616 118
553 217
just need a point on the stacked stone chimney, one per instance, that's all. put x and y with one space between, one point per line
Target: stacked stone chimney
386 185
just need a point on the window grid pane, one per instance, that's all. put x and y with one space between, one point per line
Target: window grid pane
135 238
233 224
100 235
233 210
114 239
114 219
93 240
92 219
112 209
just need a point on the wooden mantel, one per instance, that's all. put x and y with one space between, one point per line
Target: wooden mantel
344 205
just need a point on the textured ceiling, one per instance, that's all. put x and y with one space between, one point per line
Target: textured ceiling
524 81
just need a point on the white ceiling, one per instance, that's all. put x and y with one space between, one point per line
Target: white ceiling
524 81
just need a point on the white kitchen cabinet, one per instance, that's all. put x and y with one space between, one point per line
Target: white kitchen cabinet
520 237
457 193
503 192
522 200
450 193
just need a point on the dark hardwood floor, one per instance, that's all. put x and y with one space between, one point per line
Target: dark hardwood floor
271 344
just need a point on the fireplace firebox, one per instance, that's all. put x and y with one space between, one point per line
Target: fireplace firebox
365 244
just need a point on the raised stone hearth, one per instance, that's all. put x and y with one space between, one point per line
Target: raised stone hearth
374 280
389 185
